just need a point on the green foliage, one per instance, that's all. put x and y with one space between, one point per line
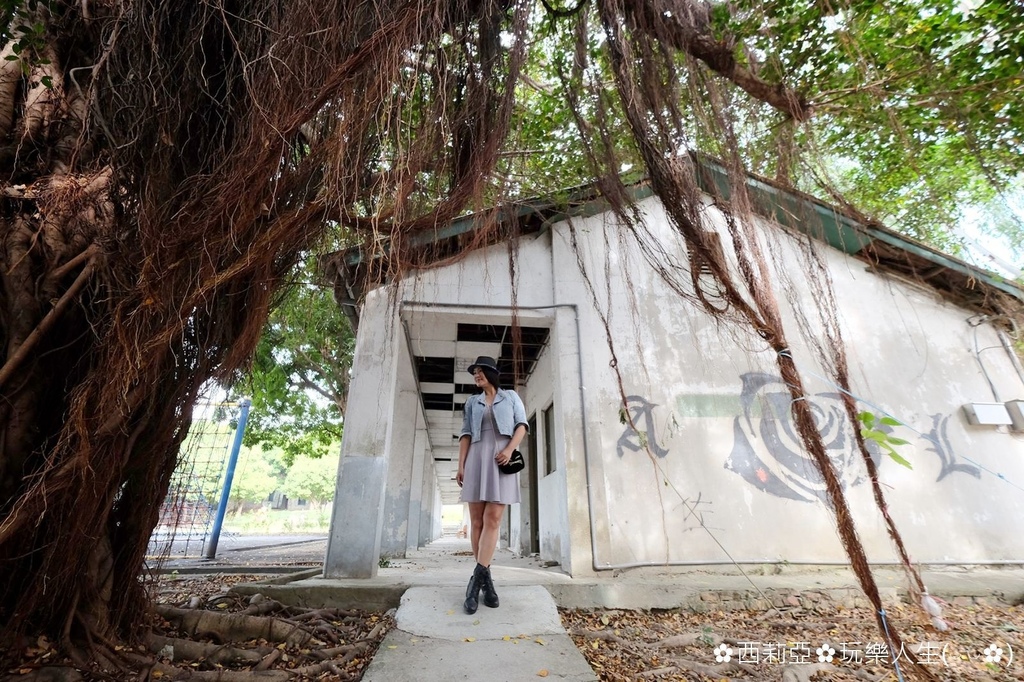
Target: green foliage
915 118
311 479
915 114
870 429
916 105
299 379
255 477
26 36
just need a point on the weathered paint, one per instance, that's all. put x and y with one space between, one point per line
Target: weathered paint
713 460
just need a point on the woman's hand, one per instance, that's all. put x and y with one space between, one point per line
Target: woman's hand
503 456
459 476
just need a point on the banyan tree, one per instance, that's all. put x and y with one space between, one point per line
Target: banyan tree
165 165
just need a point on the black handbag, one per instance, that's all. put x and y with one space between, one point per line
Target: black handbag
514 465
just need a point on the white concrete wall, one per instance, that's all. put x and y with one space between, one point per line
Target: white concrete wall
715 463
703 394
482 277
553 531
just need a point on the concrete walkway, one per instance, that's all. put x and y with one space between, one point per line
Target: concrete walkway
448 563
435 639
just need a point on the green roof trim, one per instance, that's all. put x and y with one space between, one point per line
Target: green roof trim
790 209
821 221
813 218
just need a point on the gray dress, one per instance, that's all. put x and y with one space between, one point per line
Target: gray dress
481 480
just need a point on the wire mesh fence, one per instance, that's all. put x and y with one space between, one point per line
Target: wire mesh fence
188 513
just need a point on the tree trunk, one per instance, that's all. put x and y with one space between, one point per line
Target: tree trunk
97 371
156 190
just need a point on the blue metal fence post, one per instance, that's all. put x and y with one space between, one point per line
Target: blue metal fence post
222 504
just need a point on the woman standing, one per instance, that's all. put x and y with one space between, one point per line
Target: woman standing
493 426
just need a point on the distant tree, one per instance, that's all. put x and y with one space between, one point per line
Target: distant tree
914 108
254 478
311 479
299 376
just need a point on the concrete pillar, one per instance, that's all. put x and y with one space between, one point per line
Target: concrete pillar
573 504
416 507
435 520
401 450
353 546
431 508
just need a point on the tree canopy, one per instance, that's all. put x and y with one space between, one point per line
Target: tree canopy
167 166
299 376
913 121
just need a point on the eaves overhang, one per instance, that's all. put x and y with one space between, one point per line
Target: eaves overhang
884 250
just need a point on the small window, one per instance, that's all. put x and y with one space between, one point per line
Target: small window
549 439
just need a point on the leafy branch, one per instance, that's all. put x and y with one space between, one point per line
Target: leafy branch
871 430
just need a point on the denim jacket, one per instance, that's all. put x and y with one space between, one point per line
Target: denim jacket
508 409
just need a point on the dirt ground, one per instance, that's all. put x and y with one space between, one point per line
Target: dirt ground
203 632
794 645
789 645
772 645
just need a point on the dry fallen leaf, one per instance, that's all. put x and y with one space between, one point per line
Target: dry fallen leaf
639 636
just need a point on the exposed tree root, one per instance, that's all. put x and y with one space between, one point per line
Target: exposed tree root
804 673
246 647
677 641
263 608
188 650
167 672
52 673
235 627
716 671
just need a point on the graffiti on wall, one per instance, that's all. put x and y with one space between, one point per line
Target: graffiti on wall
641 416
938 439
694 511
768 454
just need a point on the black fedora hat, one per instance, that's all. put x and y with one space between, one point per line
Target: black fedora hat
483 362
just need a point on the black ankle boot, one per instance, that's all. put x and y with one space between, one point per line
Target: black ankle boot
490 594
473 590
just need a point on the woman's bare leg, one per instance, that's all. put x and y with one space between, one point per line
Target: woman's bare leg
488 539
476 526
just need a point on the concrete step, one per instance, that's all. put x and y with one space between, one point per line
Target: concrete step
436 640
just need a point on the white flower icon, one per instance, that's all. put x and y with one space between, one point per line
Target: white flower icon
993 653
825 653
723 653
